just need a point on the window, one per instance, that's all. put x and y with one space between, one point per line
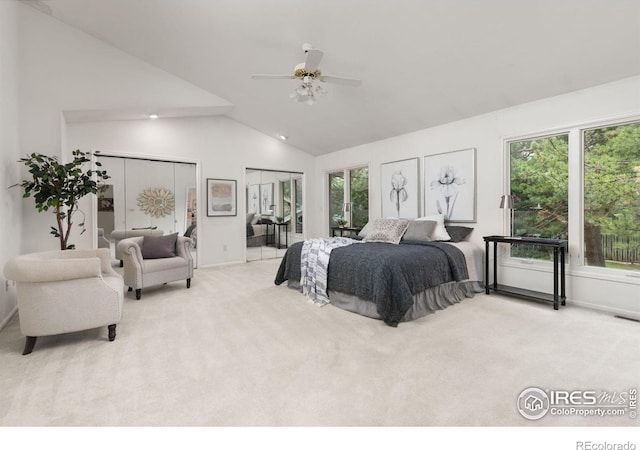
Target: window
612 196
605 167
539 187
291 203
349 197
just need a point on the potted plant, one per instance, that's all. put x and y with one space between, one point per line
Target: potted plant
59 187
341 222
279 219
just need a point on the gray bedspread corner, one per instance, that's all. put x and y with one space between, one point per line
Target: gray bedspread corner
388 275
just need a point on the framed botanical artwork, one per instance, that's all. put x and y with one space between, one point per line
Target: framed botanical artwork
221 197
253 198
450 185
399 181
266 199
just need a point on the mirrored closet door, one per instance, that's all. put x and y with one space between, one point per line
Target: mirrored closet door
274 212
147 194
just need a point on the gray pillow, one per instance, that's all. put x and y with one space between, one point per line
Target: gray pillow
387 230
154 247
458 233
250 217
420 230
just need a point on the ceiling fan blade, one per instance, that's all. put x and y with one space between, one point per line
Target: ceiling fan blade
313 59
341 80
271 77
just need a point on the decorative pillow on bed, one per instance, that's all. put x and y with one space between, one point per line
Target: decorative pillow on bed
440 233
457 233
420 230
366 230
250 217
154 247
387 230
256 218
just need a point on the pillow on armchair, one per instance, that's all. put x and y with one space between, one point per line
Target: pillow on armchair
155 247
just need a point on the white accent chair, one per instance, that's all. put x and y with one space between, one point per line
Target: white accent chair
118 235
140 272
64 291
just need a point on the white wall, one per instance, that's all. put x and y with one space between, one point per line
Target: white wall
10 199
63 69
222 147
486 133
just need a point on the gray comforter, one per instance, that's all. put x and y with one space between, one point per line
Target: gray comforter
386 274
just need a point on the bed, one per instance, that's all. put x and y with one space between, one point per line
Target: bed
258 230
393 281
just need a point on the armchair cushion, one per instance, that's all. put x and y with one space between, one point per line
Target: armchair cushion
154 247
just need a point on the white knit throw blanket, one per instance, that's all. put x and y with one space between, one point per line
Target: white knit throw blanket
314 263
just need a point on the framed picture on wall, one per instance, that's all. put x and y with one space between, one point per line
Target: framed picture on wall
253 198
450 185
221 197
266 199
399 181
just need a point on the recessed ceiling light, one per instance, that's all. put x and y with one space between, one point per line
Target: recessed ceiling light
283 137
153 116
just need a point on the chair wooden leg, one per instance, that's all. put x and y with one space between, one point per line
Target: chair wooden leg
188 283
29 344
112 332
138 294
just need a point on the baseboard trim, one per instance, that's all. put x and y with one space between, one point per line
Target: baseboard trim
627 318
9 318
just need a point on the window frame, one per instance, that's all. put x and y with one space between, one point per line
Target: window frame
576 190
346 173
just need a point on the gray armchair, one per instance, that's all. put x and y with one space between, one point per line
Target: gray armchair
64 291
141 272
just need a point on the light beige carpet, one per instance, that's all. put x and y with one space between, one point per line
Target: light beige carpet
236 350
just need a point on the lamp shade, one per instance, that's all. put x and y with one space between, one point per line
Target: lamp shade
506 202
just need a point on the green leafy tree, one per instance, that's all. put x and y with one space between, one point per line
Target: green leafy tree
612 187
539 184
59 187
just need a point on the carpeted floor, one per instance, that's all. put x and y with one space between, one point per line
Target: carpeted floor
236 350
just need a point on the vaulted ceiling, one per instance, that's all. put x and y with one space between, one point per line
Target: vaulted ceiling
422 62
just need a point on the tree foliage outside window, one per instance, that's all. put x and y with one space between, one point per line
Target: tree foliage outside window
349 186
359 179
612 196
539 186
611 207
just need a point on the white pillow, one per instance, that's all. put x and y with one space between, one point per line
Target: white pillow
256 218
440 233
366 230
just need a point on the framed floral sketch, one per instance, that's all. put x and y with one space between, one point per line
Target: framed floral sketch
399 181
221 197
266 199
253 198
450 185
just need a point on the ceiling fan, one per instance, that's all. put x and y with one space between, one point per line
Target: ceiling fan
307 73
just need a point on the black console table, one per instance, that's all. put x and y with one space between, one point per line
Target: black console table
560 248
277 230
342 230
